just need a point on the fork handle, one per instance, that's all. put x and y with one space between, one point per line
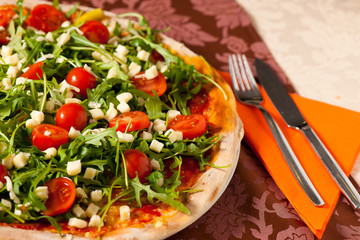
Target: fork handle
292 161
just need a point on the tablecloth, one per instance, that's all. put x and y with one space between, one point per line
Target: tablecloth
252 207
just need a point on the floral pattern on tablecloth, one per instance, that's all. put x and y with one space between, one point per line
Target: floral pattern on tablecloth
252 207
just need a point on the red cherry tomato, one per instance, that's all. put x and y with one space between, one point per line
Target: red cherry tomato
71 115
46 18
137 120
137 162
158 83
6 13
95 32
45 136
34 72
4 37
191 126
81 79
3 173
61 196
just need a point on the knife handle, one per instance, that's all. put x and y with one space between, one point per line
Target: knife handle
292 161
345 185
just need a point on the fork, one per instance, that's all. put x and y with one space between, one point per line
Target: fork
247 92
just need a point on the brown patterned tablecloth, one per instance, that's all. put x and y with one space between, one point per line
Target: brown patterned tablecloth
252 207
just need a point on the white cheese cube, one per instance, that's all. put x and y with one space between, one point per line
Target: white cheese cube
172 135
122 50
92 209
97 114
37 115
124 97
12 71
72 100
6 82
159 125
10 188
42 192
74 133
49 37
122 58
105 58
73 168
78 223
78 212
21 159
12 59
80 193
63 39
179 136
90 173
173 113
151 72
6 204
155 165
111 112
60 59
65 86
94 105
112 73
161 182
156 146
17 212
50 105
8 161
95 221
123 107
125 137
40 39
134 69
50 152
143 55
20 80
6 51
96 55
96 195
66 24
146 135
125 68
20 63
124 213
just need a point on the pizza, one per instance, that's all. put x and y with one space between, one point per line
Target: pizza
108 128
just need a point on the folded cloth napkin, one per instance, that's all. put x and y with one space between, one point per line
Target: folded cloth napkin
339 130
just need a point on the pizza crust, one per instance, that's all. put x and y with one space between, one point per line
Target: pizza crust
213 182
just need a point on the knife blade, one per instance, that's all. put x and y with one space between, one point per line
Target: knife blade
292 116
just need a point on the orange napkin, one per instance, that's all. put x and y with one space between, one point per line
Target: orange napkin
339 130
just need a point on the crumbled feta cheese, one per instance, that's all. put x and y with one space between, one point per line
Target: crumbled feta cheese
12 59
151 73
122 50
50 105
125 68
20 63
156 146
31 123
42 192
37 115
12 71
159 125
21 159
94 105
124 213
66 24
78 223
95 221
44 57
6 82
96 55
143 55
6 51
172 114
155 165
111 112
63 39
65 86
172 135
8 161
160 64
9 187
49 37
123 107
74 133
112 73
72 100
134 69
125 97
97 113
60 59
122 58
80 193
92 209
40 39
50 152
96 195
78 212
20 80
73 168
6 204
146 135
90 173
125 137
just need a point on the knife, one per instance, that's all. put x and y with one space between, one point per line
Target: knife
292 116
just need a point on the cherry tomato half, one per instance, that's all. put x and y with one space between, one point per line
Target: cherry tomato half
46 18
6 13
3 173
81 79
137 162
158 83
95 31
137 120
71 115
34 72
45 136
61 196
191 126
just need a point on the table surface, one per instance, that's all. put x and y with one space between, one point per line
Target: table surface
317 45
